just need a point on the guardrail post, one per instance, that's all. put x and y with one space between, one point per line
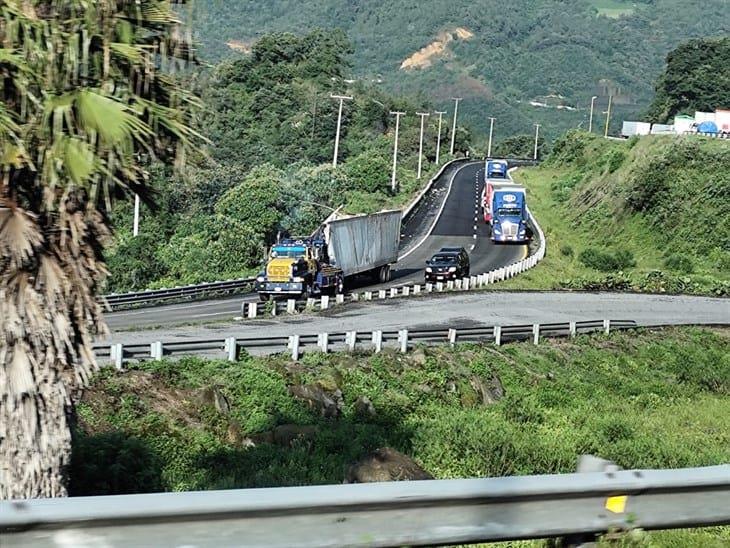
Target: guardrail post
324 302
274 310
403 340
456 284
291 306
294 346
607 326
498 335
474 281
340 298
156 350
429 288
377 338
355 297
381 294
452 337
536 333
406 290
311 301
450 284
323 341
465 284
351 340
573 329
439 286
368 295
252 310
417 289
393 292
231 349
116 353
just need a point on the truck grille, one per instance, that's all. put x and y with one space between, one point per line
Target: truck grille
509 229
278 273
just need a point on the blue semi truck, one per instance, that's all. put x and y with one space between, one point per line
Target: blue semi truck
509 215
496 169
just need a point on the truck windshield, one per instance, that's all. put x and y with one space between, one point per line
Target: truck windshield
290 252
509 212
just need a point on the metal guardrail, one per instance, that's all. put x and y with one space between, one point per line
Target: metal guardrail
414 513
182 292
376 341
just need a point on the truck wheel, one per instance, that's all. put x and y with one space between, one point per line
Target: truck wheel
264 297
383 275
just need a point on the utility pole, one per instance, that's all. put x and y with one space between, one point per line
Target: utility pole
537 135
608 115
491 132
420 143
135 226
438 139
393 185
342 99
590 119
453 129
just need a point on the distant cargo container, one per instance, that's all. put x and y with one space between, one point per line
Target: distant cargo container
722 120
683 124
662 129
635 128
704 117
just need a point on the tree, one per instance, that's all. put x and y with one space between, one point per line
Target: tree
697 77
88 100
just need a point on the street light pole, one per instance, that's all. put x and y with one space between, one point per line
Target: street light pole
491 132
395 149
420 143
590 119
438 139
453 129
608 116
342 99
135 226
537 135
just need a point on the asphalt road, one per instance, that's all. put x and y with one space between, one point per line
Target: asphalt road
459 310
455 198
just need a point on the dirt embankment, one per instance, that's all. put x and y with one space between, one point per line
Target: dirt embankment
425 57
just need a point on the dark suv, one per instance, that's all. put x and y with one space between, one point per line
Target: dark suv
448 264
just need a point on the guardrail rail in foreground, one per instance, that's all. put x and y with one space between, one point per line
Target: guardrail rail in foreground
414 513
375 341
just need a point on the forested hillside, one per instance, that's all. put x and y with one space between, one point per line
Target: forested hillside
271 124
555 53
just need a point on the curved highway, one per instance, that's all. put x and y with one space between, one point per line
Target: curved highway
456 222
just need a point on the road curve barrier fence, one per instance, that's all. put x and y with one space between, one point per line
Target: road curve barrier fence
119 300
408 513
404 340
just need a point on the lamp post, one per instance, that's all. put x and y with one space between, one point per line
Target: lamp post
537 135
342 99
491 132
590 119
453 128
608 116
420 143
135 226
438 138
395 149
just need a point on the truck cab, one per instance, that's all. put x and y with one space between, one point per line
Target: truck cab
510 216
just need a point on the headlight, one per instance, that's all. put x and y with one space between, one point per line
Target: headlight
260 279
452 269
297 279
429 269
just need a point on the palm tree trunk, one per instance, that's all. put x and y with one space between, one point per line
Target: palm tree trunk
35 441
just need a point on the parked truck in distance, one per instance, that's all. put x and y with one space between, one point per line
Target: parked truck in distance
509 215
323 264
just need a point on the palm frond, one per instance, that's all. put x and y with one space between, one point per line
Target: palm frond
112 120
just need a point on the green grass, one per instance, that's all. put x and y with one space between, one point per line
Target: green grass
640 198
612 8
646 399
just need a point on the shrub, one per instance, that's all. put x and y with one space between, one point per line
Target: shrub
614 159
605 261
566 250
679 263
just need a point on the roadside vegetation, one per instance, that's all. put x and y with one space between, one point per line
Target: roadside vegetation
271 124
647 214
476 411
